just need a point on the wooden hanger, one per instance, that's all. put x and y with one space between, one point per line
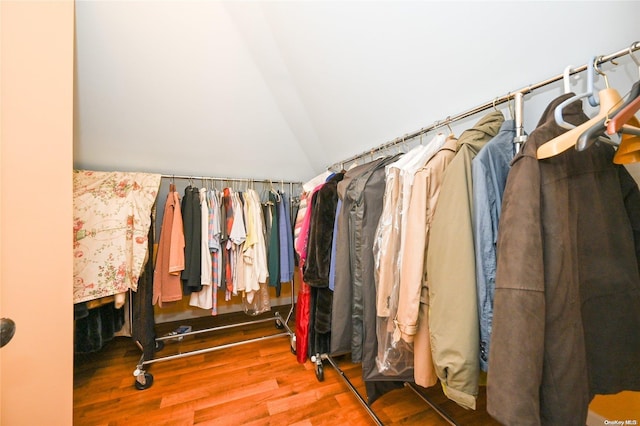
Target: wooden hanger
609 98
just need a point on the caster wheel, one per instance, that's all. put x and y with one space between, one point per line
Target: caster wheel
320 372
159 345
148 381
293 345
279 324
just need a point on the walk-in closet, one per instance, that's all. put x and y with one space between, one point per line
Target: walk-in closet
311 213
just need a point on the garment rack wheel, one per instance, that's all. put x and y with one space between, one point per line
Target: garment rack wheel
143 380
293 344
318 367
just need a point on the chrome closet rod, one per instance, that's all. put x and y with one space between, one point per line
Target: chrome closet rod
225 179
497 101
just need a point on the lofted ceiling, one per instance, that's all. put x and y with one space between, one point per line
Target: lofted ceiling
283 89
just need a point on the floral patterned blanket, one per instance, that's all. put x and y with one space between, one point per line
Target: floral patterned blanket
111 219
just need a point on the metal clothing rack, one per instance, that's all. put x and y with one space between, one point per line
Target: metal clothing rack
515 94
144 380
520 138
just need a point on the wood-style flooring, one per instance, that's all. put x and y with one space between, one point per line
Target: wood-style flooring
259 383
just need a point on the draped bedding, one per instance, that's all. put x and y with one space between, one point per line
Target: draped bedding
111 220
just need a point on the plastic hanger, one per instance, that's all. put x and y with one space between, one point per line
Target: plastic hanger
593 101
566 79
609 98
557 113
597 130
623 122
631 105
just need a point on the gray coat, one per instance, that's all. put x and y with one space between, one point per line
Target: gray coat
567 300
353 324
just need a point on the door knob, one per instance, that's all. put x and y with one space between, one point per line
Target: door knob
7 330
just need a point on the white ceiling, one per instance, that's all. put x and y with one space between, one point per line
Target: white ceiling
283 89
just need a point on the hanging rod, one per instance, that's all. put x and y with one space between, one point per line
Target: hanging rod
497 101
225 179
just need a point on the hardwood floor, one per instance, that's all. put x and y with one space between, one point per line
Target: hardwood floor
253 384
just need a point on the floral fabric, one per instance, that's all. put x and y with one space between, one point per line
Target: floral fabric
111 220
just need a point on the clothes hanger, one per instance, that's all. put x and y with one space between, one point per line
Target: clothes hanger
596 131
629 149
631 105
609 99
593 101
566 79
624 123
451 134
557 113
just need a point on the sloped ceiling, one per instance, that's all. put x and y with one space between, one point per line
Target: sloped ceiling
284 89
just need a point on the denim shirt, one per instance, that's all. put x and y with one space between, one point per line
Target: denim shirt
489 173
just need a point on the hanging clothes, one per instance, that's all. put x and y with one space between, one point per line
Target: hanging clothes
395 355
237 237
192 222
489 171
302 304
254 249
316 271
248 249
227 225
215 247
412 317
567 297
286 239
363 188
453 316
167 286
255 298
111 219
304 295
273 239
347 319
142 318
334 247
204 298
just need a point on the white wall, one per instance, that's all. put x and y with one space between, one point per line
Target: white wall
283 89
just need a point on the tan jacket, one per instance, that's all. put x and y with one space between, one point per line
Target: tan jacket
412 319
453 312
